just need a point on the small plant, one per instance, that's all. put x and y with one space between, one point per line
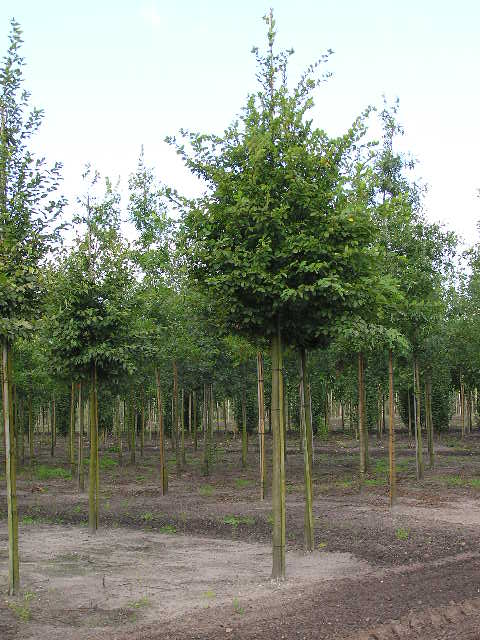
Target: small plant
234 521
236 607
22 611
147 517
206 490
402 534
475 483
270 519
77 508
321 545
107 463
29 520
140 478
43 472
168 528
210 594
138 604
240 483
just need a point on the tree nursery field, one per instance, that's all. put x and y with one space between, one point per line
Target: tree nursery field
252 413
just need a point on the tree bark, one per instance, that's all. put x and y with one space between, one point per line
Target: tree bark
391 416
161 437
418 427
361 416
278 471
261 423
309 533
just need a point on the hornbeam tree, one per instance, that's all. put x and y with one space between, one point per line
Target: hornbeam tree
28 211
275 237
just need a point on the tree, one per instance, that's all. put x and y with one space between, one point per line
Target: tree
28 211
277 236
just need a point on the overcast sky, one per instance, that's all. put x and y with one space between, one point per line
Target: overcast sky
112 75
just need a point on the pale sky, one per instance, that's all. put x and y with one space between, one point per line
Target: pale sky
113 75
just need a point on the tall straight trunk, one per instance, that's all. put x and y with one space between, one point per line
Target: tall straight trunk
30 430
132 430
342 416
261 423
161 437
21 431
225 415
391 416
418 426
462 407
206 430
361 417
178 456
309 532
71 432
429 422
278 470
142 427
10 470
190 414
244 430
409 414
195 430
92 471
52 428
211 414
182 425
80 470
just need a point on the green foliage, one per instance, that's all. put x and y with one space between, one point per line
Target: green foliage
44 472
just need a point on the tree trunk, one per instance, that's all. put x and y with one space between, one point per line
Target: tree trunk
161 437
244 430
429 422
178 456
92 474
30 431
206 431
462 407
71 432
80 469
391 416
182 425
10 471
195 431
261 423
142 427
309 533
418 427
278 470
361 416
53 427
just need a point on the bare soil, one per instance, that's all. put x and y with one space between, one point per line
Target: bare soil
196 563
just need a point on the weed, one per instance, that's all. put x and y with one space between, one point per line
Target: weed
168 528
474 482
210 594
234 521
402 534
374 482
107 463
147 517
321 545
77 508
22 611
140 478
29 520
236 607
270 519
43 472
240 483
138 604
206 490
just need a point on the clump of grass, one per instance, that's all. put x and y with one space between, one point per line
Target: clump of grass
236 606
321 545
374 482
474 482
206 490
234 521
22 610
107 463
44 472
168 528
138 604
402 534
210 594
29 520
147 517
240 483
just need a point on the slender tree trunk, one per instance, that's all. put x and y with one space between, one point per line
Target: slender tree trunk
182 424
80 469
206 431
429 422
409 414
30 431
92 475
418 427
309 532
52 428
391 416
10 471
195 430
72 430
142 427
361 417
462 407
261 424
178 455
161 437
278 471
244 429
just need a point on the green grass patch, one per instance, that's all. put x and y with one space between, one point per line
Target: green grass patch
44 472
210 595
147 517
168 528
402 534
107 463
236 607
234 521
374 482
206 490
241 483
29 520
138 604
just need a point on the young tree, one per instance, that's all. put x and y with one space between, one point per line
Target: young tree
276 236
28 210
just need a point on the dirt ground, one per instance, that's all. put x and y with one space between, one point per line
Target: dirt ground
195 564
